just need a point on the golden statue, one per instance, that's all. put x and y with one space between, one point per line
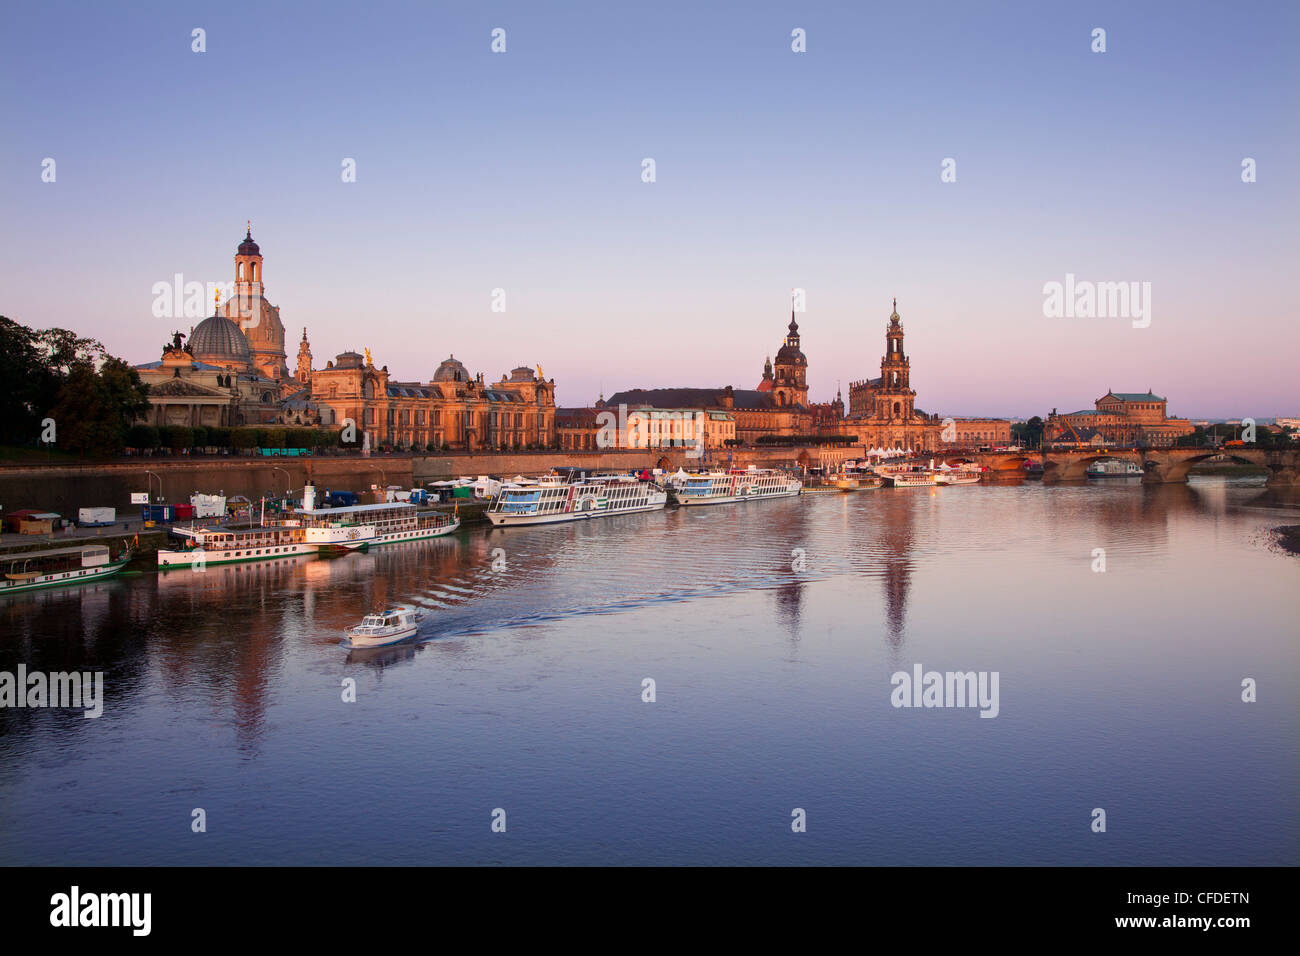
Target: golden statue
539 374
368 361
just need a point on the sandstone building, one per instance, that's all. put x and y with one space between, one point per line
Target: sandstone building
233 371
1118 418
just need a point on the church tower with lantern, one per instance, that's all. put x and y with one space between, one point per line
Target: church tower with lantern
256 316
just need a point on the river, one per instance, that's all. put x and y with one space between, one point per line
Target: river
771 632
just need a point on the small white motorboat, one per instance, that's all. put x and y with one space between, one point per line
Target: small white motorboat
388 626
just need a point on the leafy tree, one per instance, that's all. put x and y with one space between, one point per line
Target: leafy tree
62 350
181 437
141 437
93 407
243 438
27 384
201 439
1030 433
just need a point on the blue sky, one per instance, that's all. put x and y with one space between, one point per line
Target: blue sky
820 170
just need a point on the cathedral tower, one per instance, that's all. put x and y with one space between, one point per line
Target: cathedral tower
895 371
790 383
303 372
259 320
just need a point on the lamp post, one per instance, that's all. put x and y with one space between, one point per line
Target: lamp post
288 477
152 475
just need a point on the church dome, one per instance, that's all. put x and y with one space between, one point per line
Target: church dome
219 336
451 370
248 247
789 353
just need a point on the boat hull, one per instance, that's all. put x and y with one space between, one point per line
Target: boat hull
910 481
365 642
505 519
204 557
415 534
62 579
688 500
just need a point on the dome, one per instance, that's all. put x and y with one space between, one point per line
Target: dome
789 353
248 247
451 370
218 335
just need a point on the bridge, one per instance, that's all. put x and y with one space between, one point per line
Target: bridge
1159 465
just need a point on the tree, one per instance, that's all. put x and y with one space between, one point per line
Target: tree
93 407
141 437
181 437
24 397
1030 433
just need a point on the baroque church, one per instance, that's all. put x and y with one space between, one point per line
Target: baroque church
882 411
232 370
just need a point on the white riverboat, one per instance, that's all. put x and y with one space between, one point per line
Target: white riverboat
737 484
217 545
1113 468
388 522
965 474
61 567
907 476
385 627
553 499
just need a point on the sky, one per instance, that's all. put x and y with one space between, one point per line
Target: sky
774 170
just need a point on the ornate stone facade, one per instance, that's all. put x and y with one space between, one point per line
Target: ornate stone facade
234 371
882 411
1118 418
452 409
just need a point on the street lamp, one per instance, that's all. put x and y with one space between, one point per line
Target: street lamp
288 477
152 475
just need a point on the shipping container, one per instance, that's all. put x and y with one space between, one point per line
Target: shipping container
208 506
96 517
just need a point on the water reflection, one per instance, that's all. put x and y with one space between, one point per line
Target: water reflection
229 637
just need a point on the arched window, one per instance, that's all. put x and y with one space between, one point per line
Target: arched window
239 271
898 409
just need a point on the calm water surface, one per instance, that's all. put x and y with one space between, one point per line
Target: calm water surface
1118 690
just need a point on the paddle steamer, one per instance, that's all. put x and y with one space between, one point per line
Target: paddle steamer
60 567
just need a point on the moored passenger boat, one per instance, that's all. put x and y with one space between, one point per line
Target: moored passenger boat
859 476
552 499
737 484
216 545
388 522
907 476
1113 468
965 474
61 567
